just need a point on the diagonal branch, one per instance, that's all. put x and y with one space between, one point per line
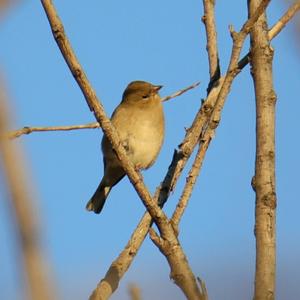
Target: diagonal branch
98 110
293 9
180 273
180 92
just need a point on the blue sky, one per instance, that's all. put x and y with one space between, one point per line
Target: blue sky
162 42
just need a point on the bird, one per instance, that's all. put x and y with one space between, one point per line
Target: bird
139 122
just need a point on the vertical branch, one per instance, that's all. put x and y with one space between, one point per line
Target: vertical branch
264 179
24 213
211 37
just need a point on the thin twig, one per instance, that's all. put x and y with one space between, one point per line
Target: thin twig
28 130
180 92
24 213
180 272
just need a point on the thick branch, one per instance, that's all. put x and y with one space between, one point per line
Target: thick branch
264 179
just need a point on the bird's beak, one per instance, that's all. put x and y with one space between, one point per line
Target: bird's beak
156 88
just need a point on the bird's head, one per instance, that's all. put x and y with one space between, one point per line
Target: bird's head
141 91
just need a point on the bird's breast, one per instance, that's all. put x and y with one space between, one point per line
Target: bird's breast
142 134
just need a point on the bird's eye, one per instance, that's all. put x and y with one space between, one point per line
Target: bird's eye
145 97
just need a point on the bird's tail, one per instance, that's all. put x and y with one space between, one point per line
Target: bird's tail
96 203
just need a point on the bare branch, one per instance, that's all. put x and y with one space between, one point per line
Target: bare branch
293 9
211 37
99 113
28 130
181 273
212 107
120 265
24 212
275 30
233 68
254 17
265 185
238 40
180 92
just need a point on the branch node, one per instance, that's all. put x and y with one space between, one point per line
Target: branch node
26 130
77 73
215 122
233 33
157 240
58 31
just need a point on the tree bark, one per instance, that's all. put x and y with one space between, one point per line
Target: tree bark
264 180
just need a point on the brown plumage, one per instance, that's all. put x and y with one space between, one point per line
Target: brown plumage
139 121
